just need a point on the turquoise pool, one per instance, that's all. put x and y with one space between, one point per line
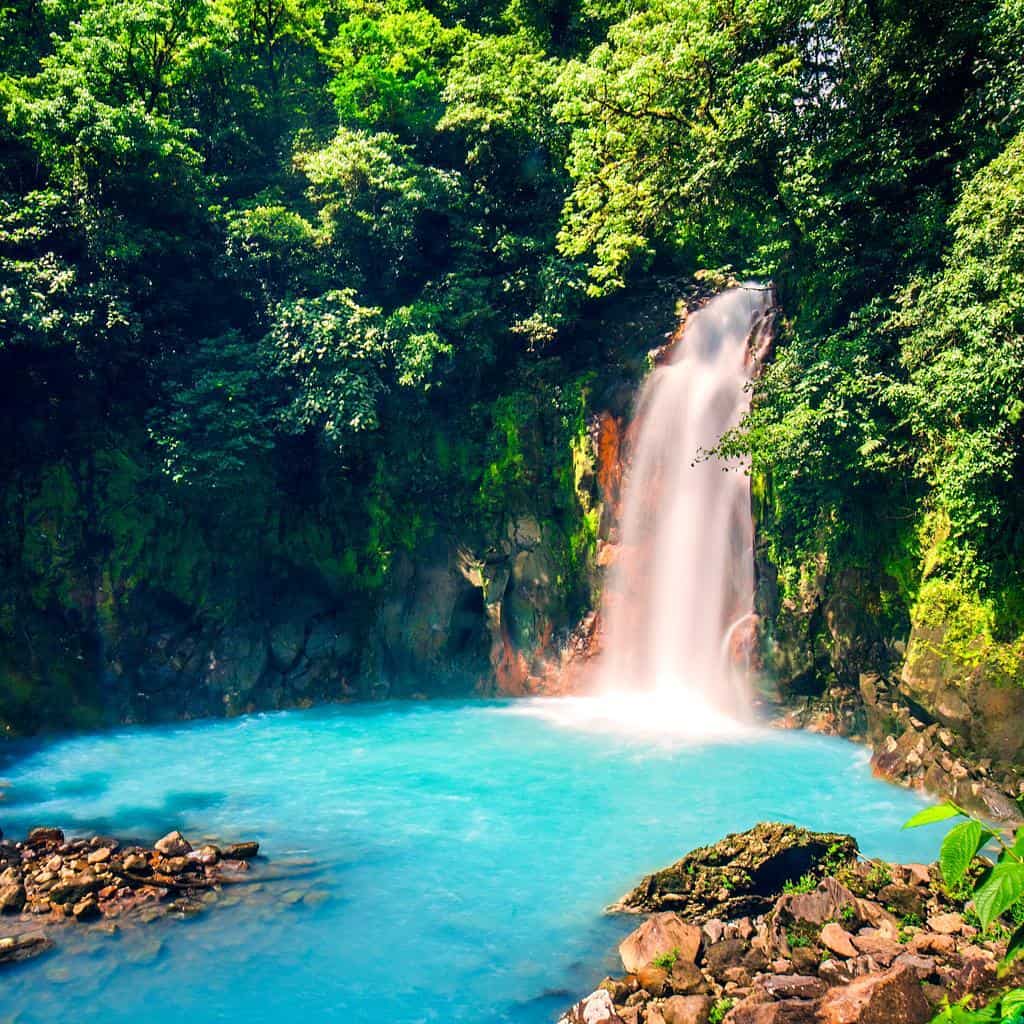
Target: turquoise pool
450 860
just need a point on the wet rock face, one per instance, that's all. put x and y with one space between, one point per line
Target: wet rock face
741 874
911 749
985 711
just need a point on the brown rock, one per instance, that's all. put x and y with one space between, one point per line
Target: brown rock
880 948
805 960
946 924
597 1008
241 851
977 973
838 940
653 979
894 997
99 856
906 899
727 953
176 865
620 989
45 836
12 898
174 844
931 942
11 876
878 917
785 1011
75 887
836 972
922 966
741 977
793 986
86 909
919 875
686 978
686 1010
23 947
659 935
136 863
826 903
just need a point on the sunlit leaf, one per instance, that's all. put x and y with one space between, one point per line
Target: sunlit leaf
930 815
958 850
1004 886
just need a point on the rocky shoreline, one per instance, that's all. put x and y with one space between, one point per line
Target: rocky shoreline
910 748
49 881
779 925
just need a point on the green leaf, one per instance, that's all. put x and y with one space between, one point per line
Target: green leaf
958 850
1004 887
930 815
1017 850
1013 1001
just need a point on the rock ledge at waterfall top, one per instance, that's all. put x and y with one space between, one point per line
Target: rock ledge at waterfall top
848 942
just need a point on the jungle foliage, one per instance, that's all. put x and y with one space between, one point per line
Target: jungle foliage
269 263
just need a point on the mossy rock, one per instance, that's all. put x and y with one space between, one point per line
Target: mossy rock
741 874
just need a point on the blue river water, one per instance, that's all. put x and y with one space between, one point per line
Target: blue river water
447 862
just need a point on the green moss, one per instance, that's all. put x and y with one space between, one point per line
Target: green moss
959 628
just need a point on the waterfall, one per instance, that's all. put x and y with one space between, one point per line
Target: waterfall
682 581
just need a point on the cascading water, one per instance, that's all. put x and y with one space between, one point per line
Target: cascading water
683 578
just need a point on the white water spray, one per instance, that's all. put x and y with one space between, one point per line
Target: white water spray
683 580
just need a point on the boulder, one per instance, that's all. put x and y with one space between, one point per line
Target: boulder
946 924
686 1010
14 948
240 851
783 1011
903 899
660 935
12 898
894 997
620 989
653 979
922 966
174 844
597 1008
807 912
742 874
45 836
75 888
86 909
879 947
176 865
725 954
686 978
793 986
838 940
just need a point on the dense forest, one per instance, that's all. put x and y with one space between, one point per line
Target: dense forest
291 289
